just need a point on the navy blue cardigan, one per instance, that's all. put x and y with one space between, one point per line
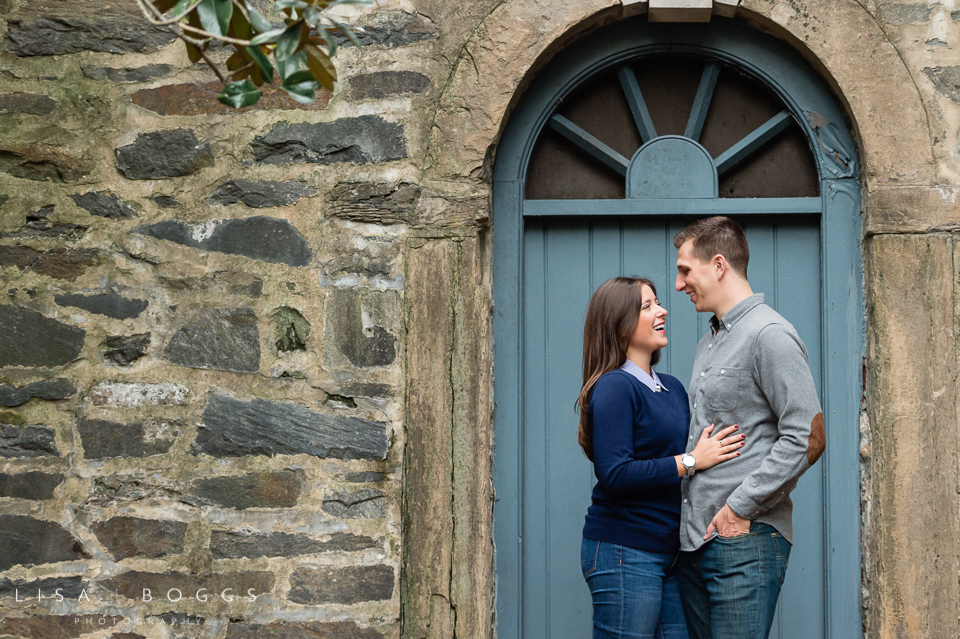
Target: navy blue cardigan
636 433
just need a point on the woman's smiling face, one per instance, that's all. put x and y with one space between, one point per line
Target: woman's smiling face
650 334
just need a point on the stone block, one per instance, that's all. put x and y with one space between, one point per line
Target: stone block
127 75
32 103
49 389
56 626
50 27
393 29
365 477
105 440
362 140
123 350
428 491
39 225
104 204
133 584
29 542
61 263
384 84
279 489
259 237
260 195
238 545
912 305
331 585
108 304
200 99
946 80
32 485
912 209
132 537
232 428
165 201
134 394
378 203
361 504
291 329
33 339
680 10
301 630
898 14
26 441
43 163
162 154
220 339
135 486
358 338
67 587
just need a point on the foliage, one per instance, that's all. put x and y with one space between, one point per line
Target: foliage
297 47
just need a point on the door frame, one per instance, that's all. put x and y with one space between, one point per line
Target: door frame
822 121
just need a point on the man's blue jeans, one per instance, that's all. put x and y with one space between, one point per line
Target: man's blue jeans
635 593
730 585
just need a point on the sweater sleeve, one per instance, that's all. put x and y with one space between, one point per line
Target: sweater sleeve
615 405
783 374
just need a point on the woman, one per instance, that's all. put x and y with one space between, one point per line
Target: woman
633 426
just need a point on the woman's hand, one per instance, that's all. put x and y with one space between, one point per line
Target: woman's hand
710 451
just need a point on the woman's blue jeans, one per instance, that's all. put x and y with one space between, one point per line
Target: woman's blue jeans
730 585
635 593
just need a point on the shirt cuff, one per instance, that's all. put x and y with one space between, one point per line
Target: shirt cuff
742 506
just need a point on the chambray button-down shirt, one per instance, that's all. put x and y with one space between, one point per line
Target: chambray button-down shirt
751 370
651 381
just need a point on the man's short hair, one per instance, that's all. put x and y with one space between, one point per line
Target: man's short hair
717 236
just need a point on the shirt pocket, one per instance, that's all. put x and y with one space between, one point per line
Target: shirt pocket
721 388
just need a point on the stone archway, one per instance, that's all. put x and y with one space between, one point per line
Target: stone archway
448 581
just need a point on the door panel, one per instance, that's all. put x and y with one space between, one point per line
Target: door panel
565 260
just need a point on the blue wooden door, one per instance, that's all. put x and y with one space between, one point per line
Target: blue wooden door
585 190
565 260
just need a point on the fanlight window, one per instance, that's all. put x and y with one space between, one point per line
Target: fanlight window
673 127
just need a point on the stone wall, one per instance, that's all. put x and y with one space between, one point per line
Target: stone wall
205 334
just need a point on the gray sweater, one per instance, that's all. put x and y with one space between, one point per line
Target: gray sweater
751 370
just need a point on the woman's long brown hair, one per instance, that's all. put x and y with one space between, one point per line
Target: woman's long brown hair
611 320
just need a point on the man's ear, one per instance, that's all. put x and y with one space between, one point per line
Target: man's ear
720 265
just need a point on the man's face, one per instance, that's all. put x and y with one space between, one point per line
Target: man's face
695 278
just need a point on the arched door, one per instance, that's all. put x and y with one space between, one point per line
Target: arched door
621 141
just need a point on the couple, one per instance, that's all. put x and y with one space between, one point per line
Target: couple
709 475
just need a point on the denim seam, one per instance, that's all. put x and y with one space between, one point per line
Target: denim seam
596 553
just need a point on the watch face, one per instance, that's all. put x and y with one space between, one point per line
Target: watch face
688 461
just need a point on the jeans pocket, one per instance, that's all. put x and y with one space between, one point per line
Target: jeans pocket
782 548
589 550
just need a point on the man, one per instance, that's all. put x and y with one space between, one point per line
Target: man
751 369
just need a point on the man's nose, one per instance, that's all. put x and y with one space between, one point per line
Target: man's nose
679 284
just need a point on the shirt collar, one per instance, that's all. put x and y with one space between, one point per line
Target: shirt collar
734 314
650 381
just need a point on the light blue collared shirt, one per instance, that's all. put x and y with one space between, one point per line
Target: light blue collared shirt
650 381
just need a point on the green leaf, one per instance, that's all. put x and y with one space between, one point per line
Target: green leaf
266 69
224 13
291 65
321 66
181 6
289 42
301 86
257 21
207 11
239 94
268 37
345 30
290 4
331 43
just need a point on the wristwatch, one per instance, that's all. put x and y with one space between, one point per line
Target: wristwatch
689 462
